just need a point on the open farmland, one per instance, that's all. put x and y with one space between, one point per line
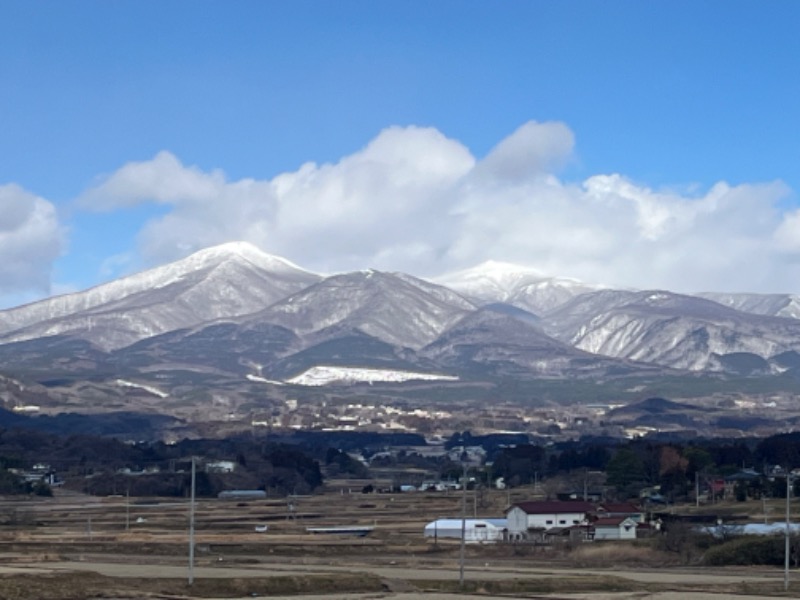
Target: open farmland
80 546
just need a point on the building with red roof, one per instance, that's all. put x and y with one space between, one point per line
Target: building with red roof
527 517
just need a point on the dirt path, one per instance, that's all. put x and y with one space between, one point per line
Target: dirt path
561 596
398 572
147 569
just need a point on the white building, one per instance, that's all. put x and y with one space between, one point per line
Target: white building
615 528
475 530
220 466
544 515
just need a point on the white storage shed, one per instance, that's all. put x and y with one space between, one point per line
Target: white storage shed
475 530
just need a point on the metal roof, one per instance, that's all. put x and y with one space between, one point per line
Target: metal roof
547 507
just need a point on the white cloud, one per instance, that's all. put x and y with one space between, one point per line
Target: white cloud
163 179
787 235
416 201
31 239
535 148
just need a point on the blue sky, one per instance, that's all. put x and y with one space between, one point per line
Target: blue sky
647 144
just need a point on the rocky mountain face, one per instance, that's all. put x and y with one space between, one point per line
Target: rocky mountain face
774 305
683 332
234 321
504 342
397 309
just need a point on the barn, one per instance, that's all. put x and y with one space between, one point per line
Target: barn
475 530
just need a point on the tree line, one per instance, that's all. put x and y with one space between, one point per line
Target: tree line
295 463
673 467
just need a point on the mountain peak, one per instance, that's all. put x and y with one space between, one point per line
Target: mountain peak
243 251
525 287
495 270
218 282
237 248
496 267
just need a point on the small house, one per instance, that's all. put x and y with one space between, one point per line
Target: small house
744 477
614 528
622 509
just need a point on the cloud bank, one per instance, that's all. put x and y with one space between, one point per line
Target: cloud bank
416 201
31 239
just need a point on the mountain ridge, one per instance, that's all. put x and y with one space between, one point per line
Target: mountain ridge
234 322
182 290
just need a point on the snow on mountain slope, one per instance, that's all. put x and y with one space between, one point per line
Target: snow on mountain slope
221 346
442 293
669 329
397 309
526 288
490 280
224 281
491 337
775 305
237 310
326 375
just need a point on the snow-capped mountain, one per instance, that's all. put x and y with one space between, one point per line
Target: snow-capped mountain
233 320
224 281
395 308
774 305
526 288
512 343
659 327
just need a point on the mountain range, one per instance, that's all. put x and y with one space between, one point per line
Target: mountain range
231 324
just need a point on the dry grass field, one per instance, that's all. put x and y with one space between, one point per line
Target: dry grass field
75 546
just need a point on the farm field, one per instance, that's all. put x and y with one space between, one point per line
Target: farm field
76 546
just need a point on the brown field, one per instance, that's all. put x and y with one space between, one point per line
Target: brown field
75 546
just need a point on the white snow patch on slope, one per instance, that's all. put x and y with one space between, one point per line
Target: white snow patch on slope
146 388
264 380
324 375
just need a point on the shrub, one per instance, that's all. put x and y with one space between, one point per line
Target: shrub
748 550
683 540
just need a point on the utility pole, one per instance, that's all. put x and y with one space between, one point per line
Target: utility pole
697 489
128 508
463 526
788 532
191 527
